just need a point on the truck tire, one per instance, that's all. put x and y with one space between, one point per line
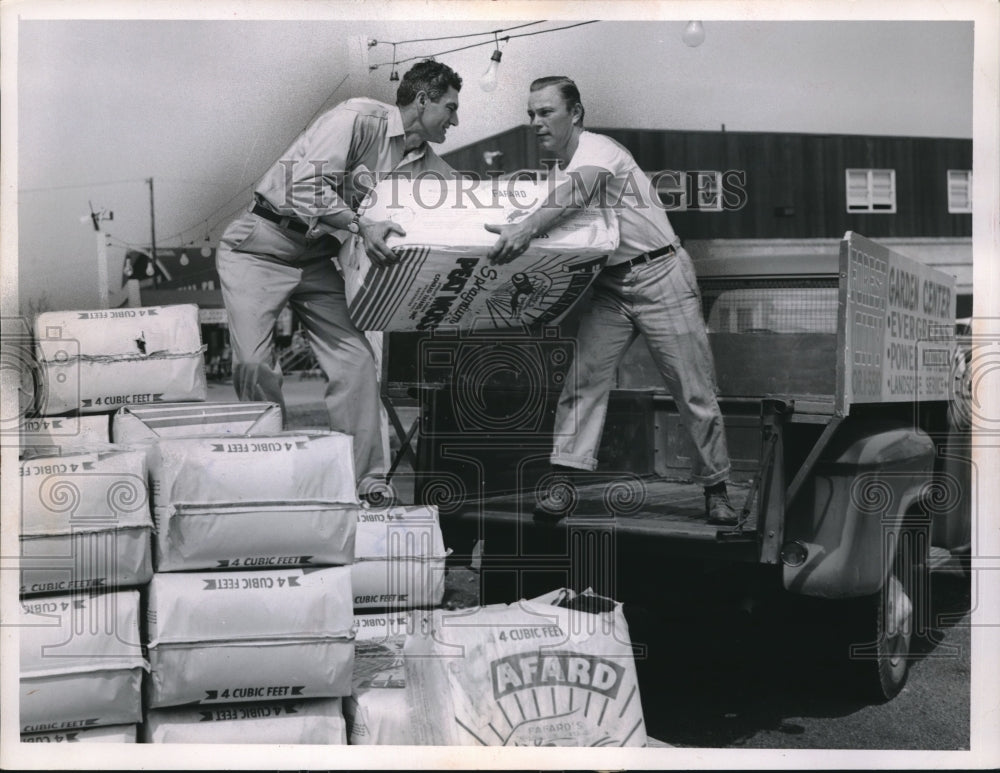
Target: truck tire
887 623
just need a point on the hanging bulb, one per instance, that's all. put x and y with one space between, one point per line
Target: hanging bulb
694 34
489 80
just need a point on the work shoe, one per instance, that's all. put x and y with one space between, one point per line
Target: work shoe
718 509
556 500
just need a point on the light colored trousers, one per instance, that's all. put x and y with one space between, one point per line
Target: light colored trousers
661 300
256 286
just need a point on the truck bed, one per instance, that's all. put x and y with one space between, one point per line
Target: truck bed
613 554
660 507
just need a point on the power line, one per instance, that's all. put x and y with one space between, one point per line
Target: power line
84 185
248 187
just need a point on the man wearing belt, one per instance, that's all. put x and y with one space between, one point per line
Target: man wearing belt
278 252
648 287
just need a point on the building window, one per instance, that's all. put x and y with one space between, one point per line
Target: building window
959 190
682 191
871 190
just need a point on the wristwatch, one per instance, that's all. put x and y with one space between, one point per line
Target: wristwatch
355 225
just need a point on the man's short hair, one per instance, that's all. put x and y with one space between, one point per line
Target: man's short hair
567 90
429 76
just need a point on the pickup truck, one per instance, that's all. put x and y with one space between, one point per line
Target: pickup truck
835 375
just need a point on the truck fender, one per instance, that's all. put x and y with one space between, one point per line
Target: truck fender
863 493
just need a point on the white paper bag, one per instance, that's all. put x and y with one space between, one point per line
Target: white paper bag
399 558
142 422
377 711
52 435
525 674
85 522
318 721
109 734
254 502
98 361
227 637
81 662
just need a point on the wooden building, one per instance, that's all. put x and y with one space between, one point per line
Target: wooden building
732 193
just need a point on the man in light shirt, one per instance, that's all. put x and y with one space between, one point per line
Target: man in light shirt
648 287
278 252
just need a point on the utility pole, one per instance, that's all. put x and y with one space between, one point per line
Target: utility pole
96 218
152 231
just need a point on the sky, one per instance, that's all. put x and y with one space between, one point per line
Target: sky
204 106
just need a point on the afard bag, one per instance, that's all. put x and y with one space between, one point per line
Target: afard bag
525 674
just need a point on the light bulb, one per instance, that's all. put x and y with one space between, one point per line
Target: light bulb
489 80
694 34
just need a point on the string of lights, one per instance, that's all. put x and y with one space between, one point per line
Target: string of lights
495 33
453 37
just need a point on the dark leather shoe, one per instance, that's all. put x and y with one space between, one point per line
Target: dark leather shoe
556 501
719 510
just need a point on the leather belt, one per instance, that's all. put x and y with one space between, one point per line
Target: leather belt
646 257
283 221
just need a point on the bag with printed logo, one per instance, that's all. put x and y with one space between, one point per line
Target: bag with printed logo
552 672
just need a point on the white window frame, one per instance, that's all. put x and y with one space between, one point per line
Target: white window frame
870 203
710 196
707 198
963 178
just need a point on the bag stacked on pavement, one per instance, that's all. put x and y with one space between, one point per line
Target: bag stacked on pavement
98 361
377 711
224 502
557 671
81 662
85 522
249 636
399 559
318 721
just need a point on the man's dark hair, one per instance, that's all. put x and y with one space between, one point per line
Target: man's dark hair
429 76
567 90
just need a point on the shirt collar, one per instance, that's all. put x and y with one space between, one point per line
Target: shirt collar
395 129
395 122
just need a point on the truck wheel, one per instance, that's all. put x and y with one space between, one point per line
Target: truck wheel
887 621
893 637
